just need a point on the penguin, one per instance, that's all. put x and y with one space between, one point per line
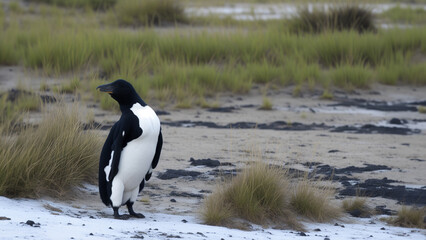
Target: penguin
131 150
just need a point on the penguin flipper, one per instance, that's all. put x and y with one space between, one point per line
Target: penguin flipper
157 150
156 157
104 187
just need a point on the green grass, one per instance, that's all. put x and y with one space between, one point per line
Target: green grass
407 15
266 104
263 194
421 109
149 12
94 4
69 87
338 18
184 66
48 159
351 77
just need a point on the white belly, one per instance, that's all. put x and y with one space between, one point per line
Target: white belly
137 156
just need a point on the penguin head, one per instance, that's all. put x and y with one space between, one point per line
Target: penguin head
122 91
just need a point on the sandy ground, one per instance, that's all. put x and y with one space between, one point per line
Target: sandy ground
290 148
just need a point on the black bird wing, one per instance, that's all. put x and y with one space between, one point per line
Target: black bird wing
155 159
104 190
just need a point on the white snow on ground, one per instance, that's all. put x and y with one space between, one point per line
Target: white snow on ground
76 223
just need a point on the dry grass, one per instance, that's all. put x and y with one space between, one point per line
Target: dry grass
409 217
264 194
48 159
266 104
356 207
312 200
339 18
421 109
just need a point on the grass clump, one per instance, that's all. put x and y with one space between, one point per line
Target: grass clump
313 201
409 217
356 207
48 159
69 87
350 77
263 194
258 195
336 19
421 109
149 12
406 15
94 4
266 104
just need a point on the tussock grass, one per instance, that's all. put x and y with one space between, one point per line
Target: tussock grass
48 159
338 18
409 217
405 15
356 206
149 12
266 104
421 109
264 194
351 77
184 66
94 4
312 200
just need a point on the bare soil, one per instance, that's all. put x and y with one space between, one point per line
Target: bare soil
404 155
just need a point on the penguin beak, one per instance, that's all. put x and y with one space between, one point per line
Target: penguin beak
108 88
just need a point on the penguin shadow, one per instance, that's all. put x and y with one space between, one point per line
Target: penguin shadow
122 216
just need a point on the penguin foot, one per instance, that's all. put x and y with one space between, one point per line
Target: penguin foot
137 215
122 217
118 216
132 212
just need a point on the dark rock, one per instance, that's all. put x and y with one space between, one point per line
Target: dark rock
175 173
417 159
47 99
222 109
302 234
184 221
161 113
382 210
383 188
355 213
317 230
329 171
201 234
185 194
377 105
137 236
333 151
224 173
32 223
397 121
277 125
373 129
382 228
172 200
204 162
